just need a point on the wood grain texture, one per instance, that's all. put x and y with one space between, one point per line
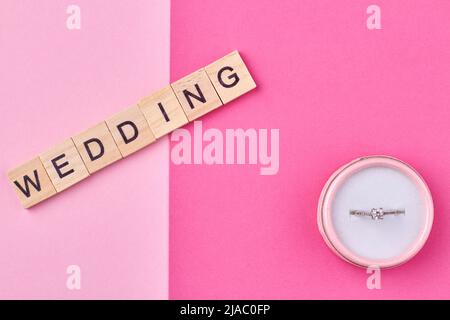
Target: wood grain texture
64 165
31 183
230 77
196 94
97 147
130 130
163 112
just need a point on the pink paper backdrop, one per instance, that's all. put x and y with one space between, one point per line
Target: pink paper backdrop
336 91
55 83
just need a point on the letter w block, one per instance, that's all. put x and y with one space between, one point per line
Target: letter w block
31 183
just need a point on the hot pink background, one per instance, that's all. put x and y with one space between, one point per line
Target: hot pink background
55 83
336 91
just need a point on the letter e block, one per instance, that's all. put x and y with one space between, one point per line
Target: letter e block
130 130
230 77
31 183
64 165
196 94
97 147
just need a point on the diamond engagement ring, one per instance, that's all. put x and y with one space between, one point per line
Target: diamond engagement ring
376 213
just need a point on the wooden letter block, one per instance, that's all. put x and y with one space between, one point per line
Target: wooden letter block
130 130
31 183
64 165
230 77
97 147
163 112
196 94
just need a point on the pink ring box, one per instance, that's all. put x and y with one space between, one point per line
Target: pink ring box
338 240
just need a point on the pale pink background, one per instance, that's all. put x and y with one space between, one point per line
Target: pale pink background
54 83
336 91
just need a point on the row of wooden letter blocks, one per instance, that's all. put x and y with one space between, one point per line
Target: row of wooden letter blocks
131 129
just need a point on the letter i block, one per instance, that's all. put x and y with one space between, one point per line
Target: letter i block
31 183
97 147
196 94
64 165
130 130
163 112
230 77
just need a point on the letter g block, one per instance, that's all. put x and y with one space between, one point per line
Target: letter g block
230 77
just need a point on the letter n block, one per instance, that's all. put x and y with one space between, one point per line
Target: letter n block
31 183
64 165
196 94
130 130
97 147
230 77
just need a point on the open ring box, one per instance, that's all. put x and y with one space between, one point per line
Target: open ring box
365 184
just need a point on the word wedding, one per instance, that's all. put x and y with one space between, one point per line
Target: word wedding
130 130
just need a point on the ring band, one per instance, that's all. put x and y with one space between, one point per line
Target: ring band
376 213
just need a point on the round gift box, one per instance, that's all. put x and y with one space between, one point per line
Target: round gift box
369 183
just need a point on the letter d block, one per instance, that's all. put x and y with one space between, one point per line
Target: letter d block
130 130
64 165
230 77
31 183
97 147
